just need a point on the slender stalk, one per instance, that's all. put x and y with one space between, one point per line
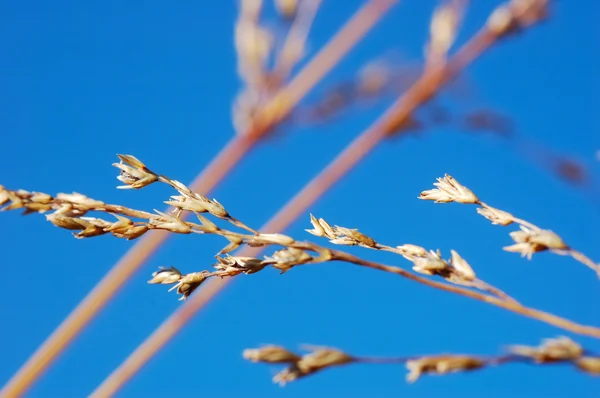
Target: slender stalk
585 260
507 305
381 360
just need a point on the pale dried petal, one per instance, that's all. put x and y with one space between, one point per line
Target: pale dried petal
322 358
247 265
189 283
270 354
181 187
216 209
449 190
288 375
436 195
442 364
132 161
134 173
430 265
548 239
352 235
67 222
287 258
187 203
523 235
40 197
409 251
525 249
529 241
122 225
135 231
346 241
496 216
80 199
327 228
166 276
4 197
278 239
317 228
462 267
170 223
551 350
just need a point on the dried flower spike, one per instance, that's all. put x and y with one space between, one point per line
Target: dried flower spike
529 241
270 354
410 252
170 223
431 264
319 359
461 267
320 228
135 231
287 258
65 222
551 350
323 357
449 190
231 266
440 365
166 276
351 237
496 216
190 282
134 173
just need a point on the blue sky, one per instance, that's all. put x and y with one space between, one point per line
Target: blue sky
82 81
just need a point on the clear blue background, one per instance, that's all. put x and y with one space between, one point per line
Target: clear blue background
82 81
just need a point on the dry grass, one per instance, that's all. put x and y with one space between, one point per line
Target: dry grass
69 211
552 351
266 100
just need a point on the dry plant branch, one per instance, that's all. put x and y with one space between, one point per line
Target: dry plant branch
529 239
560 350
344 40
506 19
69 213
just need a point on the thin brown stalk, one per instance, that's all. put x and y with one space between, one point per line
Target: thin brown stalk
507 305
398 114
486 287
585 260
238 146
476 283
